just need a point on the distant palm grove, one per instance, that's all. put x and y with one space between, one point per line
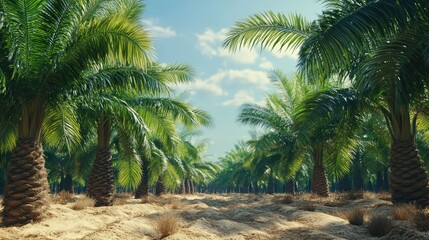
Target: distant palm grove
86 108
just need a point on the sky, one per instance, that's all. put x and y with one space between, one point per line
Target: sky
191 32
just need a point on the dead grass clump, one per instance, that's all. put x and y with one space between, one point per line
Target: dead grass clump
335 203
404 211
421 220
353 195
386 196
62 197
379 225
176 204
308 206
167 225
286 199
355 216
160 201
83 203
121 199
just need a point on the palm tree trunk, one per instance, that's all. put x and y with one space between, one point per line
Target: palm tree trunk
143 189
270 189
182 187
408 178
101 182
160 187
319 183
68 183
191 187
26 190
187 186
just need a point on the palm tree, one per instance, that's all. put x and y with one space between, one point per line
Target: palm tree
288 136
161 158
45 46
380 52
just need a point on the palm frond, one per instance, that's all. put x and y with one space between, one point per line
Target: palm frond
269 30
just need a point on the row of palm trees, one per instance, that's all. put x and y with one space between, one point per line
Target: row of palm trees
78 78
360 60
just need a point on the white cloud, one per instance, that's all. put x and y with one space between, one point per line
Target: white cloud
265 64
213 84
158 31
209 44
240 98
249 76
202 85
285 53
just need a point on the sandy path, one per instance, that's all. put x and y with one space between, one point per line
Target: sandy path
203 217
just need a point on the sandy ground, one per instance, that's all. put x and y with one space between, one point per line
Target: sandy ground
210 217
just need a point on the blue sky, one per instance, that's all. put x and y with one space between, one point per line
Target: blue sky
191 32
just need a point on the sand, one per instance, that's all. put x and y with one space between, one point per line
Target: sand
236 216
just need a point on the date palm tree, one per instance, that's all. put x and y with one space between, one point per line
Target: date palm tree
382 53
45 46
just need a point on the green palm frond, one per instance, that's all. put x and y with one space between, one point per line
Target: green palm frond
348 29
62 129
257 115
269 30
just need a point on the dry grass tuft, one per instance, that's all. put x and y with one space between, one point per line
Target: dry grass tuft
121 199
386 196
421 220
176 204
404 211
62 198
160 201
167 225
83 203
308 206
355 216
379 225
353 195
285 199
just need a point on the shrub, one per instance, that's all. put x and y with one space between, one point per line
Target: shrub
83 203
167 225
421 220
308 206
379 225
62 197
404 211
355 216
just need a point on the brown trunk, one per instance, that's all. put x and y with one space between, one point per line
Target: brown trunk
143 189
319 184
408 178
26 190
191 187
187 186
101 182
159 188
182 187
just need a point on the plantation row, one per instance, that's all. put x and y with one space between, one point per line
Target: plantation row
81 90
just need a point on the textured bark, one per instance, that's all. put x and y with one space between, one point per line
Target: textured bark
68 183
408 178
290 186
270 188
319 184
101 181
160 187
143 189
187 186
182 187
191 187
26 190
